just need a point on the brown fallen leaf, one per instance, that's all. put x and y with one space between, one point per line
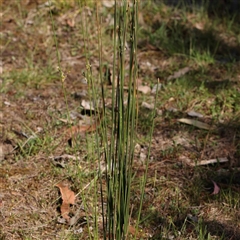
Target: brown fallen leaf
65 209
68 197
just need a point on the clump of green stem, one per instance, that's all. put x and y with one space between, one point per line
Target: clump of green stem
119 153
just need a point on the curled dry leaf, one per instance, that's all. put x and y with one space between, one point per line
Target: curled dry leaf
202 162
179 73
216 188
68 197
195 123
194 114
212 161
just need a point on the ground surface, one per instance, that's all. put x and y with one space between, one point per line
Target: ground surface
35 106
